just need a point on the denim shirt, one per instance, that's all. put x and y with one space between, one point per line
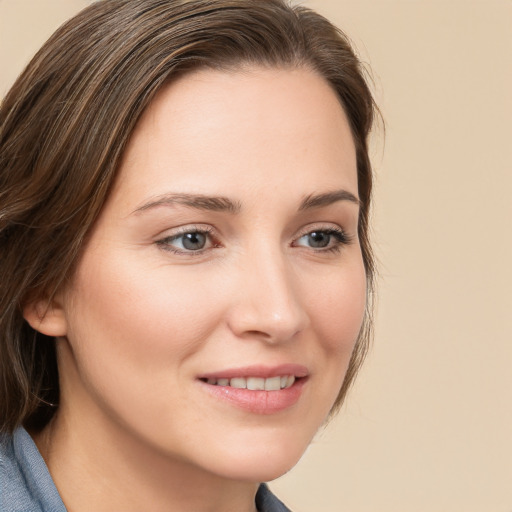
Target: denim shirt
26 484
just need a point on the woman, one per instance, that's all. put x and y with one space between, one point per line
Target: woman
185 188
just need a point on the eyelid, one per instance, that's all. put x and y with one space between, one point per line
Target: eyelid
185 228
169 235
343 238
306 230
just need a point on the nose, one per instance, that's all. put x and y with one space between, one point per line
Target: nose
268 304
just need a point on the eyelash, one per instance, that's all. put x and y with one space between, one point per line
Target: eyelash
341 238
165 243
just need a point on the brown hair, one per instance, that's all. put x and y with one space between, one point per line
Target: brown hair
67 119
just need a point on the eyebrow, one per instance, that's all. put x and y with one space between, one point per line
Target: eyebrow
224 204
197 201
327 198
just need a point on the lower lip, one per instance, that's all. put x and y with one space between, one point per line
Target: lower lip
258 402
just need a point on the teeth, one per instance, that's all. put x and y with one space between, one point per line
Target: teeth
273 384
256 383
239 383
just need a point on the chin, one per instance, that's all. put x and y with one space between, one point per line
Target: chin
262 469
260 461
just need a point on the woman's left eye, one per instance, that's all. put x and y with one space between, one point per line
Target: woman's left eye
187 241
323 239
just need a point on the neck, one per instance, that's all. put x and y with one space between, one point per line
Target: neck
106 469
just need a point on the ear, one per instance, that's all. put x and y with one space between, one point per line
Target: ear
46 317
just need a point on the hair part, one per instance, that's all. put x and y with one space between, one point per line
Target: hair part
66 121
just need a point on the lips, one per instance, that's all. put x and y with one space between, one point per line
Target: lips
261 371
258 389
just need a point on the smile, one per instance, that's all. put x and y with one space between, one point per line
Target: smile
255 383
258 389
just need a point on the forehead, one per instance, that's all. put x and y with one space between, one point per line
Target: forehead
211 129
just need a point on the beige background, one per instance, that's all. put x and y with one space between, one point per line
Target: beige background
428 427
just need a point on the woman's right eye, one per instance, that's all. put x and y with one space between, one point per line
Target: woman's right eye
191 241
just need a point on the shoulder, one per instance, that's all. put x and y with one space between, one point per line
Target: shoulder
267 502
25 483
11 476
7 459
13 487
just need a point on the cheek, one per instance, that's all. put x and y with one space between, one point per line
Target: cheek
131 329
132 313
337 311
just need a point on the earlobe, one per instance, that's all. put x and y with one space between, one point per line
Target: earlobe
46 317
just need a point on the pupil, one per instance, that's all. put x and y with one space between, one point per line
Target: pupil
319 239
194 241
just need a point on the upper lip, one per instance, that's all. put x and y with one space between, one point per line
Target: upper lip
261 371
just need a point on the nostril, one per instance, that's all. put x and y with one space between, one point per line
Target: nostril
258 333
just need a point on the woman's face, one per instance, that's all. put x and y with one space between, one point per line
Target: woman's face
226 257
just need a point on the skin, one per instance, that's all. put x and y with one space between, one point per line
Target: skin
143 317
